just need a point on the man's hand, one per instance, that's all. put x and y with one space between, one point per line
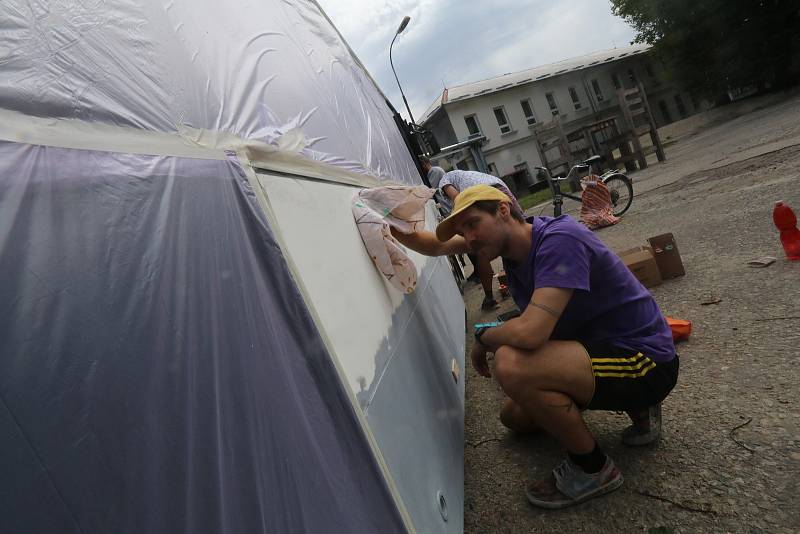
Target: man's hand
478 357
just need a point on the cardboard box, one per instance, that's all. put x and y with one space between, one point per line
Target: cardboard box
642 263
667 256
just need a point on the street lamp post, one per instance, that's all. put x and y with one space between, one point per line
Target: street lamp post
400 29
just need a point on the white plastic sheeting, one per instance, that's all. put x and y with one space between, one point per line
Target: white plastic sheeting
159 371
269 71
179 101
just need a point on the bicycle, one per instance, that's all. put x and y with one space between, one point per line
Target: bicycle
619 186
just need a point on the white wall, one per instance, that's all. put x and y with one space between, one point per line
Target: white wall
507 150
482 106
506 158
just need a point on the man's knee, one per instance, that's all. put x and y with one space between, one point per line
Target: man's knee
509 372
504 363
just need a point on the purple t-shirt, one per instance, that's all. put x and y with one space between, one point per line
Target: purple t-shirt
609 304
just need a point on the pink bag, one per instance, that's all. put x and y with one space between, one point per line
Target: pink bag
596 209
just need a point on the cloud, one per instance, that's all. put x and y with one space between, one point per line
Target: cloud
450 42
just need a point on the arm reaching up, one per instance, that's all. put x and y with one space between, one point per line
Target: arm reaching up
427 244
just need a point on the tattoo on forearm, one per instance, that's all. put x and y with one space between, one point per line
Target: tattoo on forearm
566 407
548 309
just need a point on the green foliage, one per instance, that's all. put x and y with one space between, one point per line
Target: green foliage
710 46
534 199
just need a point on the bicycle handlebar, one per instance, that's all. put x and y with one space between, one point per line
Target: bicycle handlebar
579 166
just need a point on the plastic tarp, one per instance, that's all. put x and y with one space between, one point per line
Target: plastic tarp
159 370
271 71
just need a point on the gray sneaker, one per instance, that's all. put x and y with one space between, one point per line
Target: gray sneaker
569 485
646 427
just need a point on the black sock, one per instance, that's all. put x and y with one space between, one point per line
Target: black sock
591 462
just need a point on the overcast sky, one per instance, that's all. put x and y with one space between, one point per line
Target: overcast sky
451 42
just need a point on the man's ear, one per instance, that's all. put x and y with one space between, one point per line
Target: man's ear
505 210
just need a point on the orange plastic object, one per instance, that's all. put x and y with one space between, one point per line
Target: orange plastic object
681 330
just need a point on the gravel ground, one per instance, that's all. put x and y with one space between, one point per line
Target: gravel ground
729 460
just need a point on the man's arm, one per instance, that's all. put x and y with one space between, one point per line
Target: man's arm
533 328
428 244
450 191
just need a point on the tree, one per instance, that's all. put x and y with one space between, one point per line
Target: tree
711 46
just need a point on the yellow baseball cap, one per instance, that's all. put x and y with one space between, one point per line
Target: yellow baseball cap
464 200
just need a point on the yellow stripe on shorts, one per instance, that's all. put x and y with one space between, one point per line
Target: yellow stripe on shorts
631 367
628 374
631 359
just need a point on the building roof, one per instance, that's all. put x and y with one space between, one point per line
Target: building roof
535 74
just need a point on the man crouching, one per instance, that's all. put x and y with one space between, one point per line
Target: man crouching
590 336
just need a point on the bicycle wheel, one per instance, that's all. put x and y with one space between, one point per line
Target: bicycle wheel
621 190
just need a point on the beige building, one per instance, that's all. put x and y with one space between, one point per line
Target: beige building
507 108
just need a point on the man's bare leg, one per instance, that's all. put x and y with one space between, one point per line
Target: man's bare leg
549 385
514 418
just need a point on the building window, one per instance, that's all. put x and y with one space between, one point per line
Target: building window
615 81
573 94
527 110
648 68
502 120
598 93
473 127
681 107
632 76
551 101
493 170
664 111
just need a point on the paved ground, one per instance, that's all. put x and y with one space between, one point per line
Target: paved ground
730 457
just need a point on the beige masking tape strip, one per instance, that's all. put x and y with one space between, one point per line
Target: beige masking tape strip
290 161
81 135
186 142
264 202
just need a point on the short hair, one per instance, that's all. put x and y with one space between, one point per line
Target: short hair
491 207
424 161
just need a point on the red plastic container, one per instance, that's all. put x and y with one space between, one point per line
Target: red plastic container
786 222
681 329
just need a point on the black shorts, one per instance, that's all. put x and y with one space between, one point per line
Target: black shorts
628 380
